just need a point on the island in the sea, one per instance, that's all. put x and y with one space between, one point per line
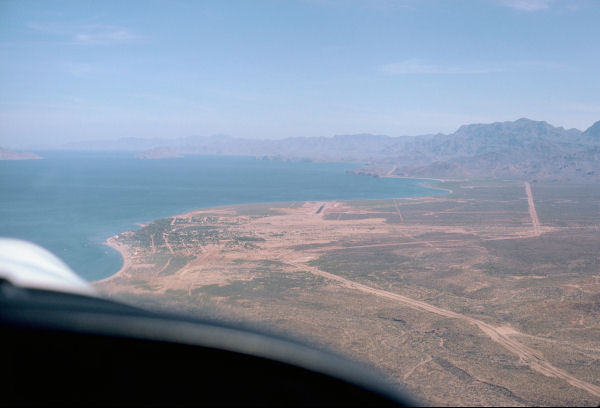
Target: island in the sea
6 154
162 152
487 295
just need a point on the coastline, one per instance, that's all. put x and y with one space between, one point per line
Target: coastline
429 185
427 182
123 249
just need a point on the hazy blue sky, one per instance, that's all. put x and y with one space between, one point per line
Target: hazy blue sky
81 70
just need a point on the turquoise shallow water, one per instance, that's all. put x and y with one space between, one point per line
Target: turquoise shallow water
70 203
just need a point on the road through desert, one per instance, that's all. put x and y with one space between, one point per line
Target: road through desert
534 359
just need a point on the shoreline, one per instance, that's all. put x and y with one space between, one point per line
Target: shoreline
429 185
123 251
126 258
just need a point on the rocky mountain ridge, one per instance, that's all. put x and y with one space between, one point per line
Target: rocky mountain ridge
521 149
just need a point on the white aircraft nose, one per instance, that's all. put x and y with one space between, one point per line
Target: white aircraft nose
28 265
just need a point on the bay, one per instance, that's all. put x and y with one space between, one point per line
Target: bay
71 202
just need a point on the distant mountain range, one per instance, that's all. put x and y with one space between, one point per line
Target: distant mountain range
523 149
338 148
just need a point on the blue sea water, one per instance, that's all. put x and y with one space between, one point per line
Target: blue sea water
71 202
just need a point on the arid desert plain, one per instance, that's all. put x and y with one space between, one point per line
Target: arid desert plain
489 294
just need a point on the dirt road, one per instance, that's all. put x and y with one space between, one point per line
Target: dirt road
398 210
167 243
532 212
529 356
153 245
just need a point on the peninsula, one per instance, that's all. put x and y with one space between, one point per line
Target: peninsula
487 295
